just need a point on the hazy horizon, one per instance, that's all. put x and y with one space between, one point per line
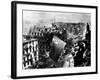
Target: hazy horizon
43 18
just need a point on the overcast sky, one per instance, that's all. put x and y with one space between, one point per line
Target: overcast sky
41 18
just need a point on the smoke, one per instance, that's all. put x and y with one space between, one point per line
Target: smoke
41 18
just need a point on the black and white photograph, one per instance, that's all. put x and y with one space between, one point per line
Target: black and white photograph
53 39
56 39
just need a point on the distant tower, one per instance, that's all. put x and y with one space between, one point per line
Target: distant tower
54 22
88 33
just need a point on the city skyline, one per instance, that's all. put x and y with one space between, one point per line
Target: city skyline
43 18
